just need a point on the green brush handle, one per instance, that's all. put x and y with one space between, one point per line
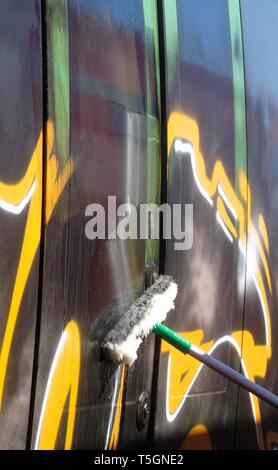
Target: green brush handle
187 347
172 337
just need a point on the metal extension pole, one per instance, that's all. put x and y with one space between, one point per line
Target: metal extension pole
188 348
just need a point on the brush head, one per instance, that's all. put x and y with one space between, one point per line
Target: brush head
123 340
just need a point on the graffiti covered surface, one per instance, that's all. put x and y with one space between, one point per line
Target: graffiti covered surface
20 210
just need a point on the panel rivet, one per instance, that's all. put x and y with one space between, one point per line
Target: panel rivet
143 410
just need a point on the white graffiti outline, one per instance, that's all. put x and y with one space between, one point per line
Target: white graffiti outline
224 339
58 352
18 208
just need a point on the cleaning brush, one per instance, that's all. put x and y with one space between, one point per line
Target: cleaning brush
123 340
121 343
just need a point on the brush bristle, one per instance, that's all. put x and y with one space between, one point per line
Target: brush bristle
122 342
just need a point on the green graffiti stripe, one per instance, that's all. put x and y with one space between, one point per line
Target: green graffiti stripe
153 125
239 117
239 88
172 54
58 73
151 30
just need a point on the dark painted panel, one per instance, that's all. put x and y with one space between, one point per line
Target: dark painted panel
260 348
106 142
20 210
203 171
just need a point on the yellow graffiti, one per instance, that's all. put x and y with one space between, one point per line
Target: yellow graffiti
114 438
181 126
184 370
263 231
15 194
197 439
55 179
235 213
254 358
63 382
